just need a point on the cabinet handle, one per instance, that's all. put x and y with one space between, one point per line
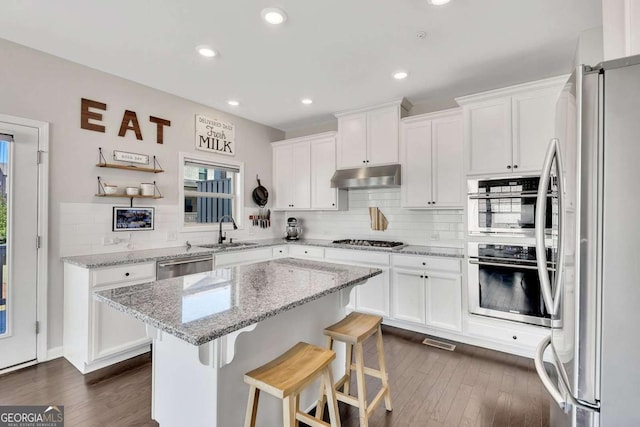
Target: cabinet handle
434 202
305 252
509 167
515 337
333 204
515 166
421 276
126 274
428 203
364 161
424 263
367 161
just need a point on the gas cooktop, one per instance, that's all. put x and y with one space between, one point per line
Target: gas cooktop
370 243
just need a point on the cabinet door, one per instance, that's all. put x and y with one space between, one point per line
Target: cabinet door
415 148
444 301
373 296
382 136
301 180
447 173
114 332
533 126
323 166
409 296
282 176
352 141
488 135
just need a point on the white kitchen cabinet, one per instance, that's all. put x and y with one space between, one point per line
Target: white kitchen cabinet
444 300
409 296
507 131
373 296
323 166
432 162
292 178
245 256
302 171
96 335
427 291
370 137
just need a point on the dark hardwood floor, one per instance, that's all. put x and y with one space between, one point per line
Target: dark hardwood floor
430 387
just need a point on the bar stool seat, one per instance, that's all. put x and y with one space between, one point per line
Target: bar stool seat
354 330
286 376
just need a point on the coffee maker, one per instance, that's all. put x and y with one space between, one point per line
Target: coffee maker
293 231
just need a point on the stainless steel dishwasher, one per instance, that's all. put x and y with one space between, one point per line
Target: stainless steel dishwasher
183 266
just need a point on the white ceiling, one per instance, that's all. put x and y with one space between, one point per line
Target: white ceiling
340 53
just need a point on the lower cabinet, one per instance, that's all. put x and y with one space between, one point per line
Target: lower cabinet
96 335
372 297
427 298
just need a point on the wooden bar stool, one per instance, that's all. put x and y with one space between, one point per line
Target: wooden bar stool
286 376
353 330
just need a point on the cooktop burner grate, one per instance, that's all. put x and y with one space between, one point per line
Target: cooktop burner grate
371 243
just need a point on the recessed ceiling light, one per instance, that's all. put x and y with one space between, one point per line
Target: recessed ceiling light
273 15
438 2
307 101
206 51
400 75
233 102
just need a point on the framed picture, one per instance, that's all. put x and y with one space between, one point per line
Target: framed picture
133 219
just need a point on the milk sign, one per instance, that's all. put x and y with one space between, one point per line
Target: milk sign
215 136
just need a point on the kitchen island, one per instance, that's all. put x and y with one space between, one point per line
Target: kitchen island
208 329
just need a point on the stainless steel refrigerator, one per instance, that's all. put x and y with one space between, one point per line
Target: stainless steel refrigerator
591 175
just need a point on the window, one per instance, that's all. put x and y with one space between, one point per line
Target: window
210 191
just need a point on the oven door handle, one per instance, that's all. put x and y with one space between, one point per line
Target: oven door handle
551 301
497 264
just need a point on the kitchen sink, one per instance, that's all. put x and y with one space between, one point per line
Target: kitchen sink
227 245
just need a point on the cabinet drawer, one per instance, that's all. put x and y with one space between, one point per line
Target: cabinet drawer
299 251
125 274
427 263
360 257
280 251
242 257
513 336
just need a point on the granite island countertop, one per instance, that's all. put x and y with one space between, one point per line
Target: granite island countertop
163 254
202 307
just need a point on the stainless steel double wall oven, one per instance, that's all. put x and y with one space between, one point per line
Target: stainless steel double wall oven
502 266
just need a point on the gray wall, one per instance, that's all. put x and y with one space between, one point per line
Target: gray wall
42 87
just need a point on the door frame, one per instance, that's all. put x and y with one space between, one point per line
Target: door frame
43 231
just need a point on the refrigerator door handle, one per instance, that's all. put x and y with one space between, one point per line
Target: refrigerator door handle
566 401
561 220
548 384
541 209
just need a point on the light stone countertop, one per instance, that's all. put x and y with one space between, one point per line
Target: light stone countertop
199 308
163 254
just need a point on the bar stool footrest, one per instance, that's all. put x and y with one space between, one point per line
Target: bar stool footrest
309 420
376 400
345 398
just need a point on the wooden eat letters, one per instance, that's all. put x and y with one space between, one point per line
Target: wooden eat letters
86 115
129 120
130 117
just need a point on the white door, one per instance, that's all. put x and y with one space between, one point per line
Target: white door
533 127
18 249
444 301
352 141
301 184
373 296
488 132
323 153
382 136
282 176
447 162
409 296
416 164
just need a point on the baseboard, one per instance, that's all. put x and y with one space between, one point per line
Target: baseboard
54 353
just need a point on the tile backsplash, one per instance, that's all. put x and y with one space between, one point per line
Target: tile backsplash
85 228
417 227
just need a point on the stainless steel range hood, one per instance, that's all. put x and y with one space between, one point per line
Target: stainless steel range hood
371 177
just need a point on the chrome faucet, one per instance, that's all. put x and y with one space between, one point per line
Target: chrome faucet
222 238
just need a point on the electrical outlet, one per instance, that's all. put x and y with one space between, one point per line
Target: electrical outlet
172 236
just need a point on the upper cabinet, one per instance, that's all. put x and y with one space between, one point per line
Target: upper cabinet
302 171
507 131
370 137
432 162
